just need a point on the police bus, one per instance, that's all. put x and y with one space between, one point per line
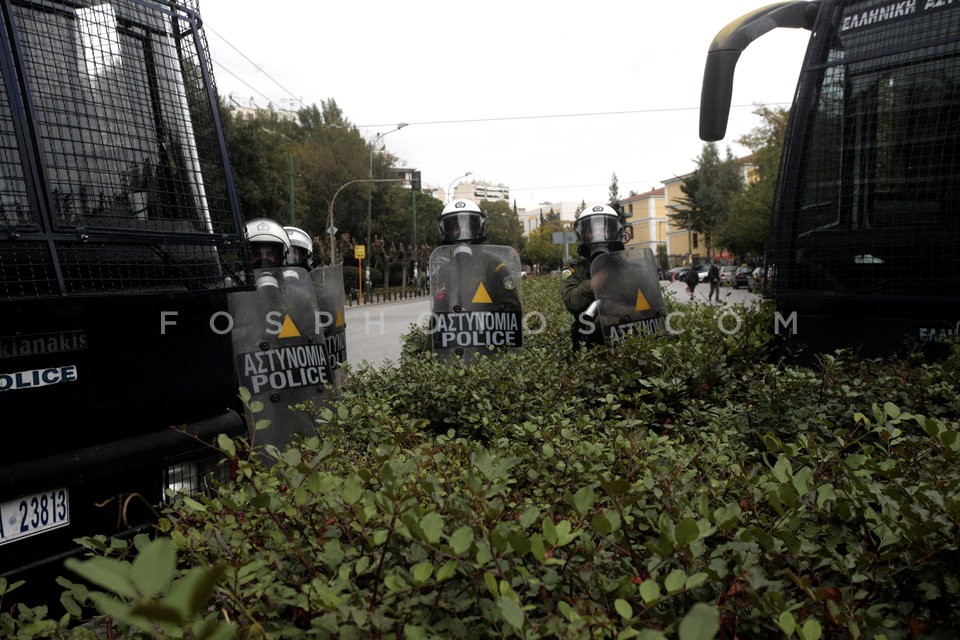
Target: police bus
865 231
117 213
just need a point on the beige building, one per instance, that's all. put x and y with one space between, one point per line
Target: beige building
646 218
683 245
530 218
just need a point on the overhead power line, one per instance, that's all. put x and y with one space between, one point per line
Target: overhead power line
207 27
220 67
563 115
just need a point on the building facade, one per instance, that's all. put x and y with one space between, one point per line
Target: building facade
684 247
530 218
479 190
646 219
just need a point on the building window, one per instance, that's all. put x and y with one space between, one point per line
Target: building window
696 239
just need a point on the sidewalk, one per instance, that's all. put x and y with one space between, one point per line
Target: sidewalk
393 295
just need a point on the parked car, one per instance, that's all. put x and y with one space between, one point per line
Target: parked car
762 275
742 278
675 273
727 274
702 271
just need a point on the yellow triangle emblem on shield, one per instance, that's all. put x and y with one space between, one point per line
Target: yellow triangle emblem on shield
340 321
481 296
289 330
642 304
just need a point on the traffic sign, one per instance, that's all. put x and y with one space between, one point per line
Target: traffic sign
360 251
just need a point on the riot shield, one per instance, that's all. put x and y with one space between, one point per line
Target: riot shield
627 289
280 351
475 293
331 302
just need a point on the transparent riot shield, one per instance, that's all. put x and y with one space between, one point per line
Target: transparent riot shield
280 351
331 303
475 293
627 288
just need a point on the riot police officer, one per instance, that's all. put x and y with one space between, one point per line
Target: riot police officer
599 230
269 243
463 224
301 247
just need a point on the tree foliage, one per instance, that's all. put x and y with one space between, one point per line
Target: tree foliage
539 248
705 204
503 224
745 231
614 193
319 152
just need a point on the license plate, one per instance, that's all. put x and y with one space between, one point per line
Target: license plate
30 515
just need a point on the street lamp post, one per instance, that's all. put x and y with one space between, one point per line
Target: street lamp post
332 230
370 194
290 173
449 196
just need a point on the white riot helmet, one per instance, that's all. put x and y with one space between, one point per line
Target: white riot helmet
301 247
269 243
462 221
599 230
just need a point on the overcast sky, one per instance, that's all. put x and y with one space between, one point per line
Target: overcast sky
548 97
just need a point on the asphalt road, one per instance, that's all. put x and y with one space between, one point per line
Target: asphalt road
728 295
374 330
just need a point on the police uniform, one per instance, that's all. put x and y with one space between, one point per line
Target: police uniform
599 230
577 292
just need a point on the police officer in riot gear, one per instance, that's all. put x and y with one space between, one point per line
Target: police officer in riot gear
599 231
463 223
269 243
301 247
475 288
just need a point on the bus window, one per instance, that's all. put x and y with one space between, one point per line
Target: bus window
866 217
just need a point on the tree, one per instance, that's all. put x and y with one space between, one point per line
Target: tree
396 223
320 150
260 147
540 249
503 225
614 193
745 231
707 192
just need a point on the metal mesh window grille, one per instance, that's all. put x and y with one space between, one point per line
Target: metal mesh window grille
872 206
114 179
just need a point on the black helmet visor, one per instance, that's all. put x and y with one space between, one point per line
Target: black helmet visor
593 229
466 226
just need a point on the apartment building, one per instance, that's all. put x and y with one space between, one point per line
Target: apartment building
530 218
646 219
683 245
480 190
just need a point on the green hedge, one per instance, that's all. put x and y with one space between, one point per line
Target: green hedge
685 487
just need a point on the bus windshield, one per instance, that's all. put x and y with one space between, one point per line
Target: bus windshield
871 177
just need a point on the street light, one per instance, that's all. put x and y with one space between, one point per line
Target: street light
289 169
332 230
373 148
449 197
